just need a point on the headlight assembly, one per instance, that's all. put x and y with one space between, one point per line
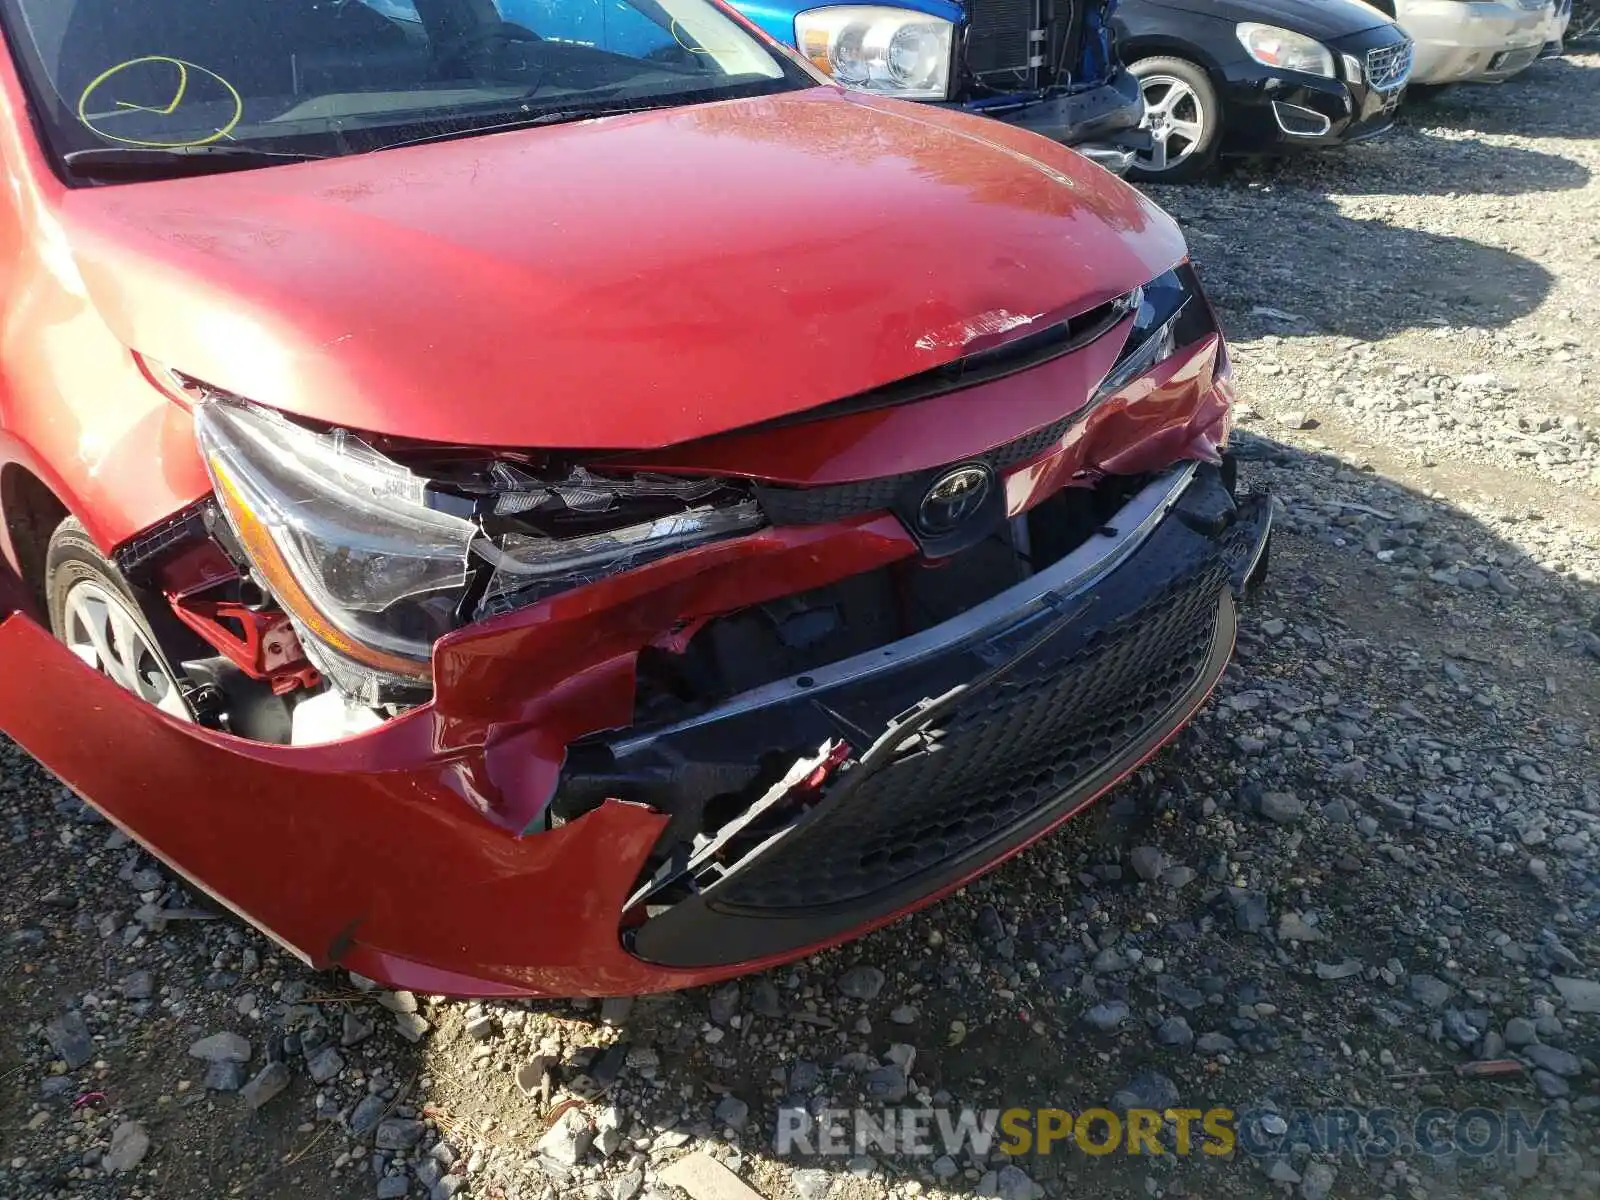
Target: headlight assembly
375 559
1274 47
1168 314
888 51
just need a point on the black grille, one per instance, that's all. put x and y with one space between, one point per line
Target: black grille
1009 752
998 35
819 505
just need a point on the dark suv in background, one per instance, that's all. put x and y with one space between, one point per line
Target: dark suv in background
1258 77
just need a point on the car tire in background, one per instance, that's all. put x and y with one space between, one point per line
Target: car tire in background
1183 115
96 613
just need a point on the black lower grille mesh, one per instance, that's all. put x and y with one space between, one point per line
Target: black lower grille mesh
1009 752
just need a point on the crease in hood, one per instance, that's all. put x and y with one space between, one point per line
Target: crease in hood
627 283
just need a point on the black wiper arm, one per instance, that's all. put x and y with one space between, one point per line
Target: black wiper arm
165 162
554 116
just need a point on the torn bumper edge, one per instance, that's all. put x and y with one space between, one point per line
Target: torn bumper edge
1182 527
399 853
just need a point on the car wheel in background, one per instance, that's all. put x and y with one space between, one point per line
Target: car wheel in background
95 612
1184 118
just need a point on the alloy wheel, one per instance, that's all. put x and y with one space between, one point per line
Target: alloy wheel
103 632
1175 119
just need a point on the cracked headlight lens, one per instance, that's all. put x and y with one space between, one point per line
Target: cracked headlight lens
375 559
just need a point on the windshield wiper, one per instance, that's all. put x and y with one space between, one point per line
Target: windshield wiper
554 116
165 162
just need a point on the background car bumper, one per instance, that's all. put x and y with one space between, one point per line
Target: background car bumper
1461 41
1270 113
1101 123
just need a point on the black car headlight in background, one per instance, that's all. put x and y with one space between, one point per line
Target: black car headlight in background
375 559
1274 47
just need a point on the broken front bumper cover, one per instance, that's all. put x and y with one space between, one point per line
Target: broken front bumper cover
965 742
410 854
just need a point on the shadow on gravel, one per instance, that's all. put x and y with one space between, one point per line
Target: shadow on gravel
1414 160
1555 98
1420 685
1415 684
1315 271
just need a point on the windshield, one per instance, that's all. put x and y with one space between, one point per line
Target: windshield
347 76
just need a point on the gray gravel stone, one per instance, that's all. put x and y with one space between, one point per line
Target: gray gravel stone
392 1187
225 1076
222 1047
1316 1183
411 1026
353 1030
68 1036
732 1112
724 1003
1107 1016
1282 808
1520 1032
1581 995
266 1084
566 1141
861 983
1012 1183
1175 1031
1430 990
1553 1059
324 1064
366 1115
886 1084
1147 862
129 1144
1148 1089
398 1133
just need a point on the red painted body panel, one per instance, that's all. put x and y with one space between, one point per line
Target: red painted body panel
524 289
648 284
384 872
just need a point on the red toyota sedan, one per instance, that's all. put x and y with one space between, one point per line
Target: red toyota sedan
553 496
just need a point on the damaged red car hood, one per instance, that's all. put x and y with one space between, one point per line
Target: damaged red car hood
629 282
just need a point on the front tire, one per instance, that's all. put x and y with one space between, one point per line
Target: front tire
1184 117
96 614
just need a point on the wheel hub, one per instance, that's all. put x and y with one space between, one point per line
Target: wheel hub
101 629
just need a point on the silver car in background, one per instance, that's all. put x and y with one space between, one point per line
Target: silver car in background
1473 41
1556 30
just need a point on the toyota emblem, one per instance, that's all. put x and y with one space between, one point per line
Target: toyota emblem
953 498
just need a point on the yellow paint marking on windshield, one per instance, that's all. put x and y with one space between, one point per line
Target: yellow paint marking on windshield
177 99
679 34
180 91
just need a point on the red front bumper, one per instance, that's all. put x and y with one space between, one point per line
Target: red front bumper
408 854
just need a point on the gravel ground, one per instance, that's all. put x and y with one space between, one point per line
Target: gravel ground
1375 854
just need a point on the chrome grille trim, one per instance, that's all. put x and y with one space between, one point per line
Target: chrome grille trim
1389 66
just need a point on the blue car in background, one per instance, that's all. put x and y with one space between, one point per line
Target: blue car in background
1045 65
